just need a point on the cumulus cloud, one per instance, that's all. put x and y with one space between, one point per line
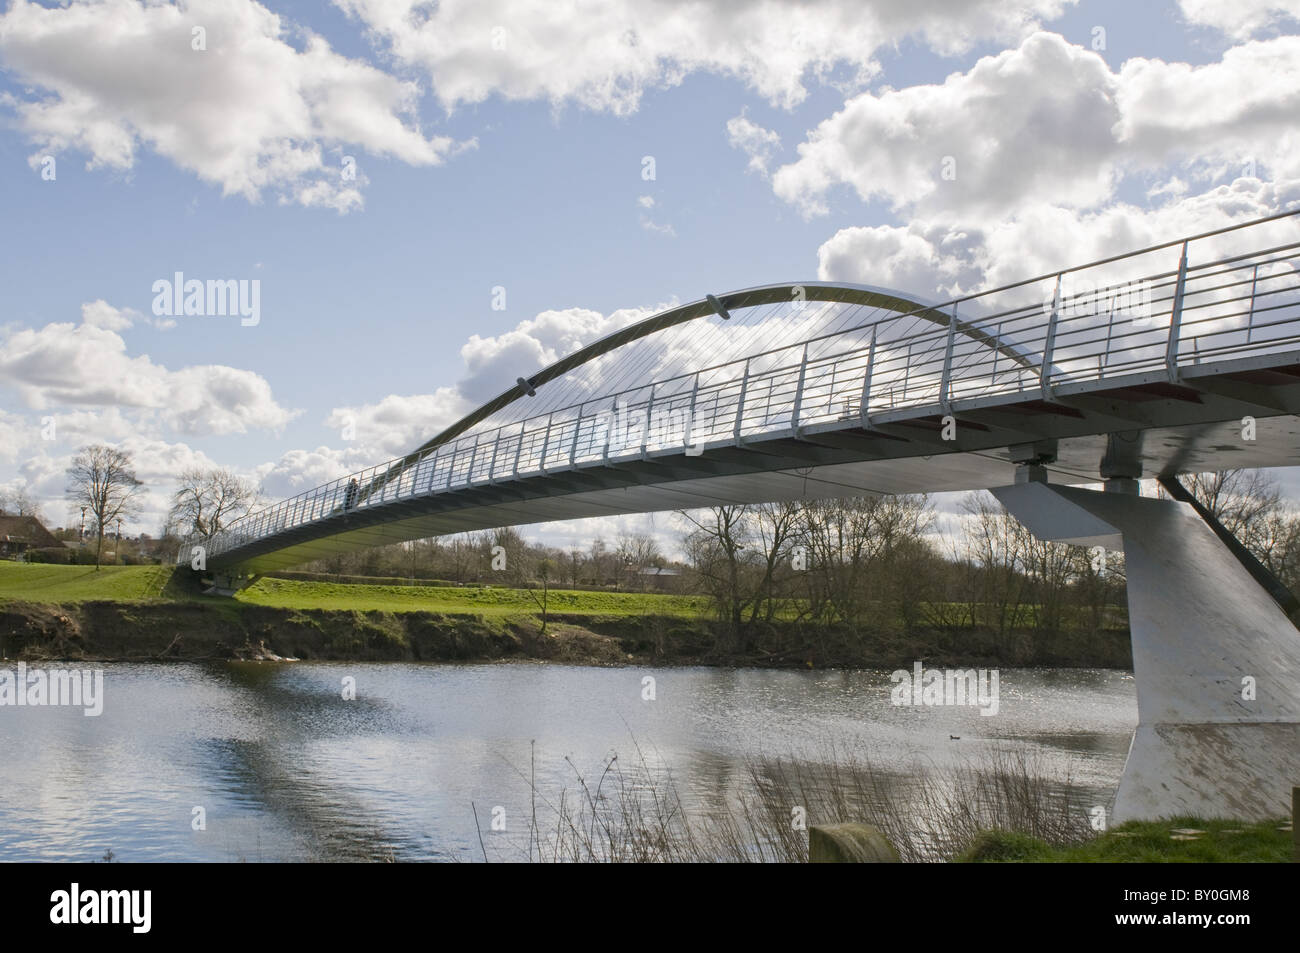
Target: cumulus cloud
1028 122
1051 123
605 55
251 113
397 424
300 470
88 364
932 256
494 363
1241 19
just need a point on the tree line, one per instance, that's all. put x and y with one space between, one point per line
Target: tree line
854 562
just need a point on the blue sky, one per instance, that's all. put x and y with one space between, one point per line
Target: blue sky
521 167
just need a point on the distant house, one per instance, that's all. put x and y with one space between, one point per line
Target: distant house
658 578
21 533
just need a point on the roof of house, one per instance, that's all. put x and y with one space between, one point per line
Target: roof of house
26 529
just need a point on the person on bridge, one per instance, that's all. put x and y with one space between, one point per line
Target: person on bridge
350 495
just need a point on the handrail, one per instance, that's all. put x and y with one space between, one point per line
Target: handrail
910 366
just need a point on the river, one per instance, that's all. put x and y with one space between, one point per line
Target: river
259 761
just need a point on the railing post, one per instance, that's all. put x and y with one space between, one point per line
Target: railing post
546 442
492 467
523 427
610 424
866 383
798 391
577 429
740 404
1250 318
997 349
649 417
688 432
473 459
945 382
1176 318
1045 372
1110 329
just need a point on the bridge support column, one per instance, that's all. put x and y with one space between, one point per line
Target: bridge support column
1216 661
228 582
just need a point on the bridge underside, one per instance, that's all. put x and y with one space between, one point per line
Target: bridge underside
1188 427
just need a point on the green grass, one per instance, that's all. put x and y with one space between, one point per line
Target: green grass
468 600
41 582
1143 842
69 584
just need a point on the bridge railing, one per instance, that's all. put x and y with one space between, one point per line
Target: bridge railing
1159 310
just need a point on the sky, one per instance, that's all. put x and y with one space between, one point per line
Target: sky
434 199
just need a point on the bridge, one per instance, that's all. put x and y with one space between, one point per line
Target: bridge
1179 358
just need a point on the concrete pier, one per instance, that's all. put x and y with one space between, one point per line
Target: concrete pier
1216 661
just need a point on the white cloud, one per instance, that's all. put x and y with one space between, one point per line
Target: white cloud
1240 19
494 363
1029 122
605 55
300 470
1232 114
934 257
1050 123
16 434
87 364
666 229
251 113
756 142
646 201
398 424
101 314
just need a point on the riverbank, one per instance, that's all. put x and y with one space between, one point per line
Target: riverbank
152 614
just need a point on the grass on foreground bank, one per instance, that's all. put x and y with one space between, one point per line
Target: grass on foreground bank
1145 842
41 582
1006 805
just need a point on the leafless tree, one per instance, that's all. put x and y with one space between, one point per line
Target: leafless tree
720 551
102 479
20 503
206 501
636 551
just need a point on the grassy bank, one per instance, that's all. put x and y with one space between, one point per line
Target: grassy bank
1181 840
73 584
128 612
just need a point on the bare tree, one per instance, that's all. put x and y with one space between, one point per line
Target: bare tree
715 548
635 552
461 556
20 503
102 479
206 501
995 547
539 586
599 558
574 565
851 546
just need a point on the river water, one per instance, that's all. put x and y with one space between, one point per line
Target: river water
283 767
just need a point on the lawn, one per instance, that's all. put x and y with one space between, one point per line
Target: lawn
41 582
465 600
65 584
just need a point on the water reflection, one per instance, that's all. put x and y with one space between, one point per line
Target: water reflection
285 768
